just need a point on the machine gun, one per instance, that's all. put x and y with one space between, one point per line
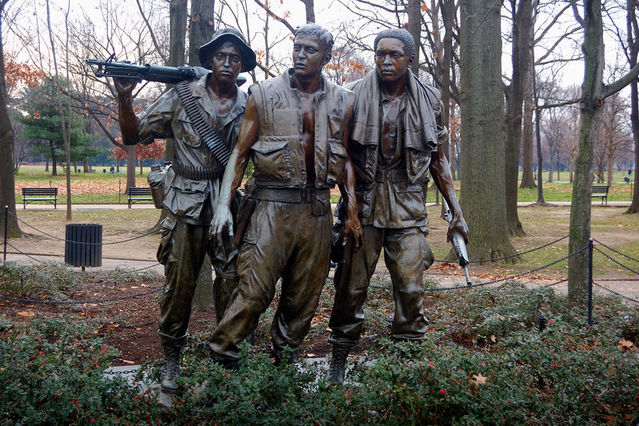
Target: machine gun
159 73
459 245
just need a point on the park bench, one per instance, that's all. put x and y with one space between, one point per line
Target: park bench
601 191
139 194
30 195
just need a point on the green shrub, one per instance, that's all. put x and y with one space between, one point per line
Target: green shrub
52 373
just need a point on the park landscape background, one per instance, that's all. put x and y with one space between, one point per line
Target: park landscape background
486 359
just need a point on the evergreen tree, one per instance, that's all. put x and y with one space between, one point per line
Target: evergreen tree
42 125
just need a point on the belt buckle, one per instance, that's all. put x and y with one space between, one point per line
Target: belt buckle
307 194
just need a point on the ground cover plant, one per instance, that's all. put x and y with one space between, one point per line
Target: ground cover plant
485 361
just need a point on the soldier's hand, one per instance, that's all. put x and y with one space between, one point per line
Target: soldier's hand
457 224
353 228
124 86
222 222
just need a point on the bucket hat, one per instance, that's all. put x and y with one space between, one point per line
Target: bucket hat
228 34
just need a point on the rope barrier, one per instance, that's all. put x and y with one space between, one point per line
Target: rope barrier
23 253
616 261
616 293
616 251
555 283
514 255
511 277
82 242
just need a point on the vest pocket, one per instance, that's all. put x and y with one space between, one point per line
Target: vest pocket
188 133
336 161
271 158
418 156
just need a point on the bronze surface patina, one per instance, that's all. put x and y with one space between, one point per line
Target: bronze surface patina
395 143
191 185
295 131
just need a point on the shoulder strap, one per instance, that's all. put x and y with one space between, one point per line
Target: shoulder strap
195 113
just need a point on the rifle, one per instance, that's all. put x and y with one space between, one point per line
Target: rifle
459 245
159 73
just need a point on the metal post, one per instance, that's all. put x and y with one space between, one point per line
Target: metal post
6 226
590 281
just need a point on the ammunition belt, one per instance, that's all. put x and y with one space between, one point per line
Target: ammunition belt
195 113
198 173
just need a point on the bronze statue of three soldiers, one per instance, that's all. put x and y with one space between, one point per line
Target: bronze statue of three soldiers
378 142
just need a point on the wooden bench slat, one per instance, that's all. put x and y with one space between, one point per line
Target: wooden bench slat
601 191
49 194
138 193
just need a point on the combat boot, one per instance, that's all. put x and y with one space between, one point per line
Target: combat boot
171 368
337 368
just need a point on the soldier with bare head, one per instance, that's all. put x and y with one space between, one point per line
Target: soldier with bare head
396 141
295 131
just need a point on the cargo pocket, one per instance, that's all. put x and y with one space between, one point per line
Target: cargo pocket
336 161
410 200
418 155
271 158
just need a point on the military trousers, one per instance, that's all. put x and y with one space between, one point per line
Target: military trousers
181 251
406 254
286 240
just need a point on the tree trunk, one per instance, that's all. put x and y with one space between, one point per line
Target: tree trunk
201 27
482 113
204 292
591 102
633 44
522 27
7 178
527 176
634 118
310 10
414 27
54 160
130 166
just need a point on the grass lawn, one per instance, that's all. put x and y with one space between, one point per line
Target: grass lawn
102 187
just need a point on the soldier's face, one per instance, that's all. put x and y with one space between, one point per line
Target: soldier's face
308 55
226 62
391 59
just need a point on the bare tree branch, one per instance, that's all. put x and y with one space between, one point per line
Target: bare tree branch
155 41
612 88
575 11
275 16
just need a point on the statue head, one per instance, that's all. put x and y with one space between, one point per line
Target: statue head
394 53
219 39
400 34
312 49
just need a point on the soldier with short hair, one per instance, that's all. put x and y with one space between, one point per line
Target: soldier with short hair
295 130
396 141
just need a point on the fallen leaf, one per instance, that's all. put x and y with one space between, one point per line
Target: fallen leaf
625 344
478 379
26 314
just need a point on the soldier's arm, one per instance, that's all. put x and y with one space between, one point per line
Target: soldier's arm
440 171
347 189
234 172
127 117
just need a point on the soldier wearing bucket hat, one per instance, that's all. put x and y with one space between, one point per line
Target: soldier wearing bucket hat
203 118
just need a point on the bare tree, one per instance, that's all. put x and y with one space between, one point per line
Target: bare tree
522 30
593 94
63 124
482 181
7 180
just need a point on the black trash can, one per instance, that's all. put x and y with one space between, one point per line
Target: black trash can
83 245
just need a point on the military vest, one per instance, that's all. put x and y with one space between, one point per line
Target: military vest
278 155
